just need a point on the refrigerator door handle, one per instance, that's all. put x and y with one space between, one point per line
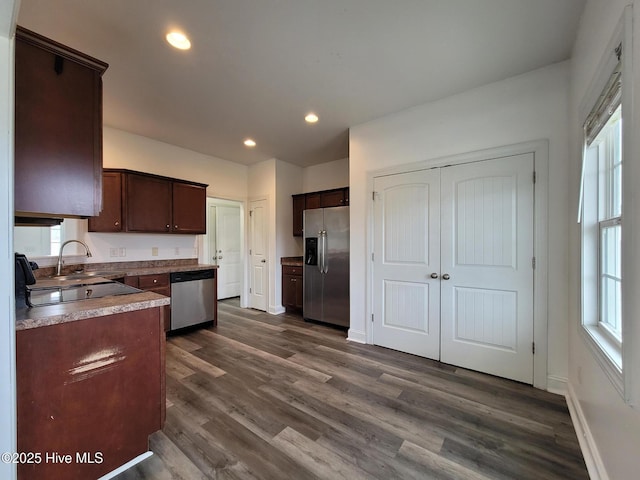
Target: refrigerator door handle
325 267
320 252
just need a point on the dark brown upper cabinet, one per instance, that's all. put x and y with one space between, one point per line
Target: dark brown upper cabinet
189 208
58 129
110 218
337 197
146 203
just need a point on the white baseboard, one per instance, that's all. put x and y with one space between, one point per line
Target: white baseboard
356 336
126 466
276 310
557 385
590 452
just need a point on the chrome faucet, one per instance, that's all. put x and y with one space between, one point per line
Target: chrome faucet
59 267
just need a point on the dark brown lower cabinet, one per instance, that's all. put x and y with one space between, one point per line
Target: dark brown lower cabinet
157 283
292 288
89 393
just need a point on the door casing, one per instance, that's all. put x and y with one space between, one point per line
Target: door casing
540 150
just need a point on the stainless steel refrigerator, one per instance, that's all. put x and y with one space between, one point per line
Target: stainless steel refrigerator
326 265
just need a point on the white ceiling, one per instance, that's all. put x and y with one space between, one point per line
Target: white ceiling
258 66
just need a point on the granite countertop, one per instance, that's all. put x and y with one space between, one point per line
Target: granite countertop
27 318
291 261
72 311
168 269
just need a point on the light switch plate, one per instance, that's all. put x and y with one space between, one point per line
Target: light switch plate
154 251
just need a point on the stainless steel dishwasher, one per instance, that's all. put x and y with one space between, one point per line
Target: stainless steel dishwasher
192 298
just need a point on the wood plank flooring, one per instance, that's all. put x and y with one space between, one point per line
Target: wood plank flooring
273 397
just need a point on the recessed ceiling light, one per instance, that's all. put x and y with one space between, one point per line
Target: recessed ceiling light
311 118
178 40
250 143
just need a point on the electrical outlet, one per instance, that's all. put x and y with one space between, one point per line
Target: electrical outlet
154 251
113 252
122 252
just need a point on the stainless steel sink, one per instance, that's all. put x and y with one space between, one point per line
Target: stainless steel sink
40 296
96 273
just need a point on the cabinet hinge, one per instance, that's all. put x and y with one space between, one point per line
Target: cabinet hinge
534 177
249 289
250 213
533 348
373 196
372 257
533 262
372 317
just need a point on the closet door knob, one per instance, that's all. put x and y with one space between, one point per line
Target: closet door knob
434 275
446 276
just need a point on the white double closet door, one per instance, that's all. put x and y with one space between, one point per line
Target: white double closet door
452 269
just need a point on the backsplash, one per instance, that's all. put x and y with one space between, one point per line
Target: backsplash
45 272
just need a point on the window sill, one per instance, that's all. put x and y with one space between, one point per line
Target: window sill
607 353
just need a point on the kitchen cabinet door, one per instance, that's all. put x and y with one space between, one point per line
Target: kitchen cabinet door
332 198
110 218
58 128
298 210
189 208
148 205
292 288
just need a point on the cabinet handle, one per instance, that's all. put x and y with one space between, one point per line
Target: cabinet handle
446 276
155 280
117 223
168 226
293 279
175 227
434 275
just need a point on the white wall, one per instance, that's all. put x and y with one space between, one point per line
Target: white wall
126 150
612 426
288 181
262 185
325 176
8 15
529 107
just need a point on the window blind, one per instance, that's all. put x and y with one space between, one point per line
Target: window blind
606 104
604 107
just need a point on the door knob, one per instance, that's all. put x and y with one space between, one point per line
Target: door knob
446 276
434 275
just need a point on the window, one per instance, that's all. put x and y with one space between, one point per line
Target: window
601 207
56 239
609 152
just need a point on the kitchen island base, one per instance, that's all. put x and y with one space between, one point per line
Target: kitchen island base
89 393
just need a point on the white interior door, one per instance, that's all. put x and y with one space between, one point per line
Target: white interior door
258 289
212 233
228 251
487 271
452 270
407 253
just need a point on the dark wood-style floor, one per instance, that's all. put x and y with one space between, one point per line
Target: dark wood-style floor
273 397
